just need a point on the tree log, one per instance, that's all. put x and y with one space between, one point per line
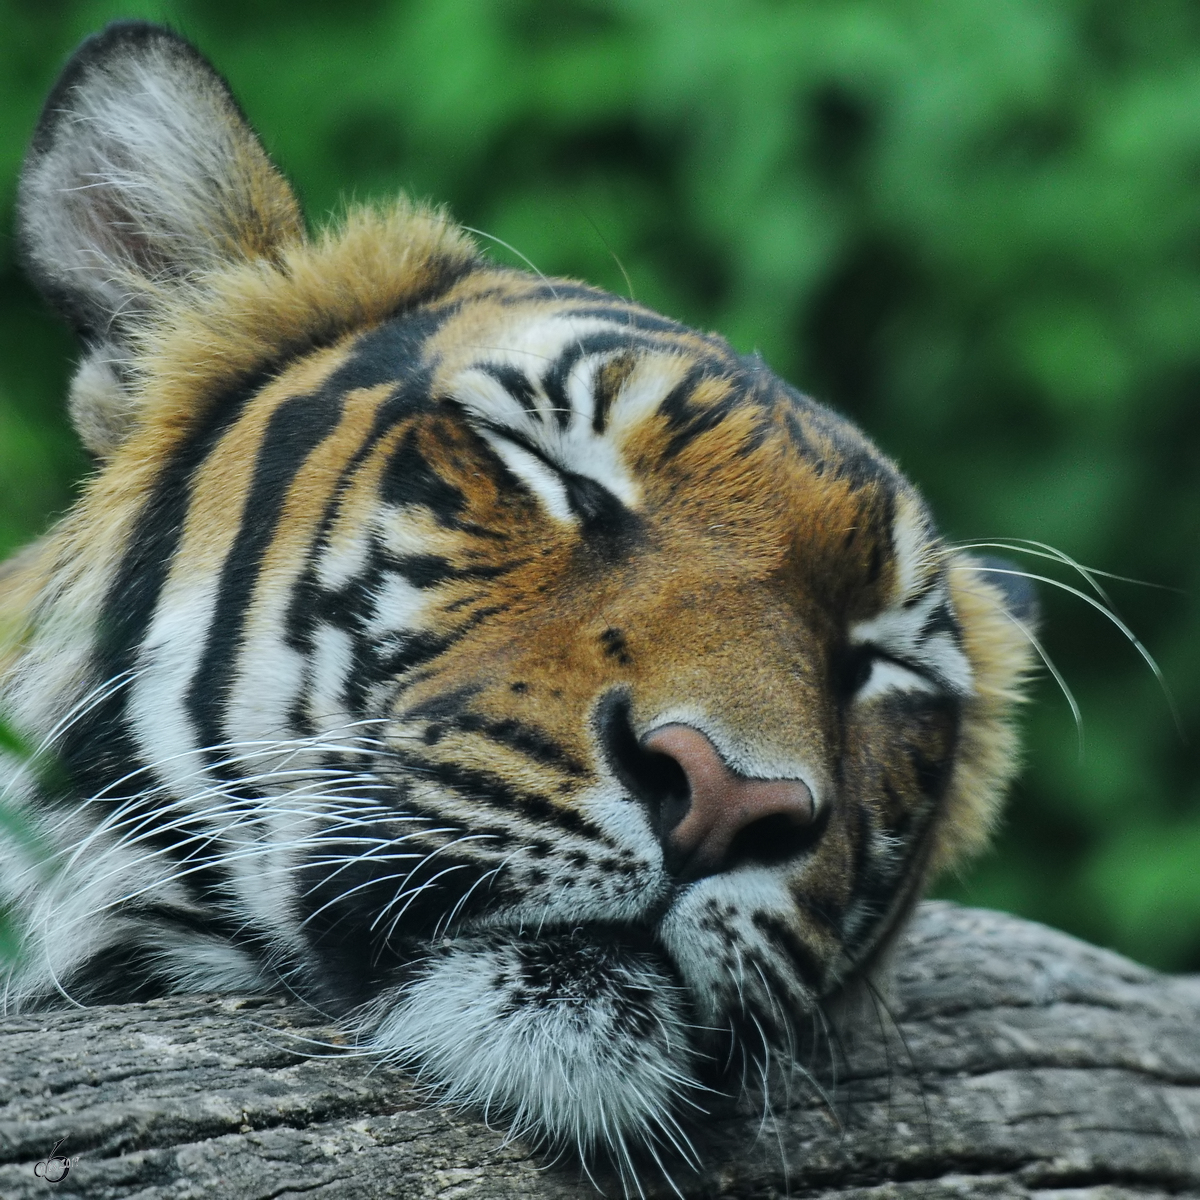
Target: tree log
1008 1061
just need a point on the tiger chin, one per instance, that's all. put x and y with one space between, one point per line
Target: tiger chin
544 689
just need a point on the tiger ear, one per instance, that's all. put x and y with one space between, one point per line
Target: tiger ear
143 174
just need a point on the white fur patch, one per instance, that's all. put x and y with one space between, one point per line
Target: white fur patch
566 439
345 559
543 481
580 1044
170 656
887 676
398 607
900 630
332 658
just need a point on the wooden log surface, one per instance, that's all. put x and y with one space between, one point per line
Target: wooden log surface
1020 1063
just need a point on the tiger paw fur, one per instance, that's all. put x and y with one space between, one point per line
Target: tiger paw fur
553 694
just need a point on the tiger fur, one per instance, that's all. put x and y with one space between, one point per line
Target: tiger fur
550 692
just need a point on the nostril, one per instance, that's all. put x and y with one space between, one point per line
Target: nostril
772 839
653 778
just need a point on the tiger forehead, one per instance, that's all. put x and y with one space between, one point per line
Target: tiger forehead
503 312
557 359
573 387
553 357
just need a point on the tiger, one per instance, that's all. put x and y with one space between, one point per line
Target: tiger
556 698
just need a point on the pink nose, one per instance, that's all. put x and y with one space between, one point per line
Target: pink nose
723 805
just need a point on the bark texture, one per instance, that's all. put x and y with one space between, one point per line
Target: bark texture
1016 1062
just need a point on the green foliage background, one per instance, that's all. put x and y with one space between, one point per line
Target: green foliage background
973 225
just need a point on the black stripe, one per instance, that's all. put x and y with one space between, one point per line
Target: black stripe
553 290
516 383
386 660
98 749
342 894
432 570
131 600
604 519
409 479
610 378
687 419
532 742
807 964
487 788
294 430
554 382
392 353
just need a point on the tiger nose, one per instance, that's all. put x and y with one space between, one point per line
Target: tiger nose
728 817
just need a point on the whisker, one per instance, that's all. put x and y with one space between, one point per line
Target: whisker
410 896
612 253
1038 549
513 250
1048 662
880 1003
1105 611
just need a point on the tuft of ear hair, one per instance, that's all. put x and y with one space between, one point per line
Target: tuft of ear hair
143 175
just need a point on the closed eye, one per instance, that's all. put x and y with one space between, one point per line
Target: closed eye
567 495
891 675
867 671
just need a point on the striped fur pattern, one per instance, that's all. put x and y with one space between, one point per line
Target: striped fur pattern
390 559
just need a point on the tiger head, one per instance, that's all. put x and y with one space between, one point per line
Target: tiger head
548 689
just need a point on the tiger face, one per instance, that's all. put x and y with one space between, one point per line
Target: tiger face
553 693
